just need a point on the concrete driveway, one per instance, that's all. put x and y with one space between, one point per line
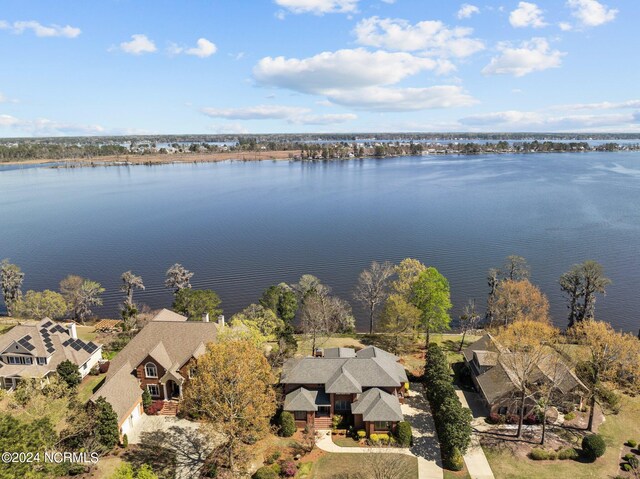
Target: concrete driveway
174 443
475 459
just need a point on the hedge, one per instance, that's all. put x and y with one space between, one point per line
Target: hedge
404 434
452 420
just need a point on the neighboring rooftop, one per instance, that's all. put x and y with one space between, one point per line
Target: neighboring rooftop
45 339
345 371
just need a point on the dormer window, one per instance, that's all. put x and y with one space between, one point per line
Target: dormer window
42 361
150 370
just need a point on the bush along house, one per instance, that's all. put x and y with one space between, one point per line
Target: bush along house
158 359
365 388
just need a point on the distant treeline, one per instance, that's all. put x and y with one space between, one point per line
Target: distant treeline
57 151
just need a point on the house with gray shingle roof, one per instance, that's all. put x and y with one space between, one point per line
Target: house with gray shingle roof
158 359
35 350
365 388
494 373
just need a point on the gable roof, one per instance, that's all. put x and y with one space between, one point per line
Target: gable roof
121 390
168 315
339 353
377 405
168 342
301 400
44 339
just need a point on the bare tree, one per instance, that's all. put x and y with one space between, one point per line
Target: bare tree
130 282
516 268
323 315
581 284
468 320
11 278
178 277
372 287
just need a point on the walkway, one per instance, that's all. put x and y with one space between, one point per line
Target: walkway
475 459
425 442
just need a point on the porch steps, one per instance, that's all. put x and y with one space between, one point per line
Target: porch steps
169 408
322 422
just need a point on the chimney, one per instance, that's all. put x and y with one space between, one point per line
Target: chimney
71 327
221 320
205 318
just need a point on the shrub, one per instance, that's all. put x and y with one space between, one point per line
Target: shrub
146 399
455 461
69 373
383 438
632 443
265 472
210 470
626 467
570 416
288 469
593 446
336 420
273 457
539 454
628 456
125 441
633 462
374 438
531 419
404 434
362 434
568 453
154 408
287 424
513 419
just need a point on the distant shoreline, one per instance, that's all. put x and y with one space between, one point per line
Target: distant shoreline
215 157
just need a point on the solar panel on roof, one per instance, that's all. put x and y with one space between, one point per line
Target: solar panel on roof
27 337
76 346
67 342
47 324
51 349
90 348
30 347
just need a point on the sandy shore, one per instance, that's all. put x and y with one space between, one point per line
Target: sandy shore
166 158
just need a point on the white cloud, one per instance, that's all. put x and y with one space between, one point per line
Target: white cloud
46 127
402 99
40 30
204 48
431 37
230 129
138 45
319 7
604 105
565 26
362 79
466 10
591 13
527 15
342 69
530 56
514 120
291 114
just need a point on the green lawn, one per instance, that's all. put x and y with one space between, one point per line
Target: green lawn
343 441
86 388
86 333
456 475
330 464
615 430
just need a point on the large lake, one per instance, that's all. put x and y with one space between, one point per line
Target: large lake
243 226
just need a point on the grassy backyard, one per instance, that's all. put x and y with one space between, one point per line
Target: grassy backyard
615 430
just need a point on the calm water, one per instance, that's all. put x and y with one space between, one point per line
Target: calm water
243 226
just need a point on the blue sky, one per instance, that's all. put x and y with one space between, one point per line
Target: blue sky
73 67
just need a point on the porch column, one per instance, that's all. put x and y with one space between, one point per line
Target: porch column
164 388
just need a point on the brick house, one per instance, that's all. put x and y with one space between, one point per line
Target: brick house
158 359
491 367
366 388
36 350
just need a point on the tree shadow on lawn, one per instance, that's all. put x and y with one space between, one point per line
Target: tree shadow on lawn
169 452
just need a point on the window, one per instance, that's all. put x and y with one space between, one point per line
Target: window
502 410
154 390
19 360
300 415
381 425
150 370
343 405
42 361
